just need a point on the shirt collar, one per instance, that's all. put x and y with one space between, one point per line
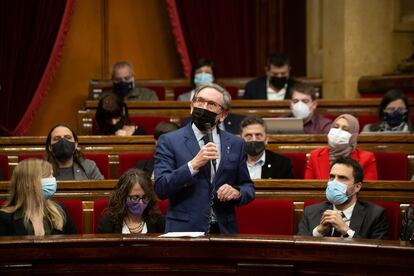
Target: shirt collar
199 134
348 211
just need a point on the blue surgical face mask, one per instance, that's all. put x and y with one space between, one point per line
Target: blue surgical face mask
49 186
336 192
203 78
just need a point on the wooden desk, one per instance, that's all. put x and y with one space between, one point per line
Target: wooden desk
265 108
298 191
230 254
114 145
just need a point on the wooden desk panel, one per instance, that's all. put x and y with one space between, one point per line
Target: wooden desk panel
235 254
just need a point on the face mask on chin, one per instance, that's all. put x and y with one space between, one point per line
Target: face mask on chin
300 110
201 116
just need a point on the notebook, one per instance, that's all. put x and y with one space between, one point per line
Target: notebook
287 125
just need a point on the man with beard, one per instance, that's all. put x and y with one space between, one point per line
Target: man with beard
262 163
275 85
201 169
344 215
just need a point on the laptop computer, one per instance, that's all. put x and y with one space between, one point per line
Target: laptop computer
288 125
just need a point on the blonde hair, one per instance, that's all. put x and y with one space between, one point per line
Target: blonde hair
26 193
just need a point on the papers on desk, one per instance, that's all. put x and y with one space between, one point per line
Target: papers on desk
182 234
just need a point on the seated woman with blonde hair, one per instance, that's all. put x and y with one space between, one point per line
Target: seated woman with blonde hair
132 207
28 210
342 141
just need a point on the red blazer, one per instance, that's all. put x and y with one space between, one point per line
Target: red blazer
318 164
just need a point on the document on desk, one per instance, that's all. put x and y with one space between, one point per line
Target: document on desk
182 234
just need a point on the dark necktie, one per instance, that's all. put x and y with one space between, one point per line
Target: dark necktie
336 233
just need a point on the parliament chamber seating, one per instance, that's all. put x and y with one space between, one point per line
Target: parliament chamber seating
130 160
298 160
392 165
392 209
4 166
100 205
74 208
266 216
159 90
146 122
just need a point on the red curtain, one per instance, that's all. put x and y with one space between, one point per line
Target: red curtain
238 35
32 35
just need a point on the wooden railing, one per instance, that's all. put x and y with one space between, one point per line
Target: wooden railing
114 145
298 191
218 254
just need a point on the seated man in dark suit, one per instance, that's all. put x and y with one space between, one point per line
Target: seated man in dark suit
344 215
275 85
262 163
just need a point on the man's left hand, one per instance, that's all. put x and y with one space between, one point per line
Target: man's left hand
227 193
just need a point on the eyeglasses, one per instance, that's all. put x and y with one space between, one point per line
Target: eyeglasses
137 198
211 105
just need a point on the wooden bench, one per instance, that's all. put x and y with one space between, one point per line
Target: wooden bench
96 87
377 86
218 254
298 191
178 110
114 145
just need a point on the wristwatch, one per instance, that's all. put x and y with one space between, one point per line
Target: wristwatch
348 233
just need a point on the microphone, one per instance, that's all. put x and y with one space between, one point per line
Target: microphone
210 139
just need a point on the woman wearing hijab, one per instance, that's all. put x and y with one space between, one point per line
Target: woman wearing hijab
342 141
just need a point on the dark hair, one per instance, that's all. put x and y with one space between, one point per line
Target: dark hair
390 96
304 88
357 171
117 208
77 156
110 106
164 127
278 60
200 63
253 120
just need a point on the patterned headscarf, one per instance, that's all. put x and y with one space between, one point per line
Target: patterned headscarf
345 149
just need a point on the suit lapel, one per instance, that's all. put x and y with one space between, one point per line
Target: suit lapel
190 141
358 216
224 153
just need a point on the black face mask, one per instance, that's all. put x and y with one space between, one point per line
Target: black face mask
395 118
63 150
110 129
278 82
123 88
202 116
255 148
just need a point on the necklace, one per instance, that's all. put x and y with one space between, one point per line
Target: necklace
136 229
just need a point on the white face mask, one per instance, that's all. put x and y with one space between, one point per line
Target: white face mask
338 136
300 110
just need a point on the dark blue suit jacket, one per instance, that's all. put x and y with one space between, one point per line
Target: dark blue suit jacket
189 196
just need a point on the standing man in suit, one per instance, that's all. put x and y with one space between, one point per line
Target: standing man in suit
275 85
344 215
203 180
262 163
